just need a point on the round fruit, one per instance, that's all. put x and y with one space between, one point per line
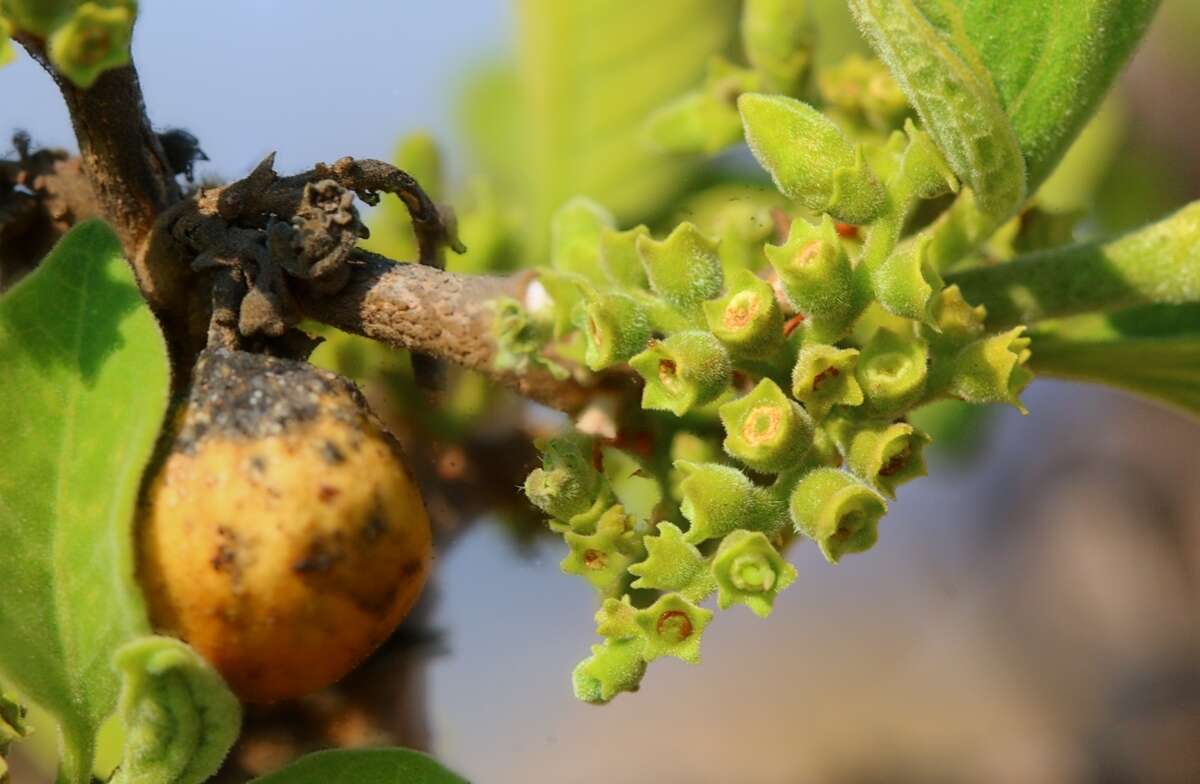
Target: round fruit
282 535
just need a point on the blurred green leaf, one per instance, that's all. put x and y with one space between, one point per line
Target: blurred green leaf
363 766
85 390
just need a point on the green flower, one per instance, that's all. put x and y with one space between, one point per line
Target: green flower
620 258
684 269
891 370
750 571
766 430
672 564
567 486
705 120
907 282
614 666
884 455
837 511
94 40
672 627
718 500
992 370
685 371
777 36
865 91
575 231
617 620
40 17
615 327
747 318
824 377
602 558
817 276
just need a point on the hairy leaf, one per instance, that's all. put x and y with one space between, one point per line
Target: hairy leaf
85 390
363 766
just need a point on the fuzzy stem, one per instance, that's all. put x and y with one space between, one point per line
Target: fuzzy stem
1158 264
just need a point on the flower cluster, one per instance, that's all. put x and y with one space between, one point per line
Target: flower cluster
778 371
83 38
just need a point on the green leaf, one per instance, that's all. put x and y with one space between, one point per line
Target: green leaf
85 390
926 46
1052 62
363 766
1152 351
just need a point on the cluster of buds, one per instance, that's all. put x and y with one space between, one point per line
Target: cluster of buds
82 39
784 373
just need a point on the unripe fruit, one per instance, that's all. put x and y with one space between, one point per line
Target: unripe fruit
282 535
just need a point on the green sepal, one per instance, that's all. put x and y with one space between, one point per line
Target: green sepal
810 159
863 89
719 499
615 326
521 338
568 486
747 319
614 666
906 283
684 269
766 430
777 36
837 511
602 558
883 455
824 377
93 40
620 258
673 626
575 237
954 320
685 371
892 370
750 571
817 276
992 370
924 172
673 564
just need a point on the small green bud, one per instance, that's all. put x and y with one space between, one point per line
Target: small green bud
93 40
567 486
954 318
766 430
695 122
620 258
778 36
750 571
837 511
614 667
747 318
864 90
617 620
602 558
718 500
575 231
824 377
520 339
816 274
884 455
40 17
684 269
892 370
924 171
688 447
686 370
673 626
992 370
809 158
672 564
616 327
567 292
907 282
742 216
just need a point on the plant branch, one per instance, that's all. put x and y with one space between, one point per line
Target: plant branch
1157 264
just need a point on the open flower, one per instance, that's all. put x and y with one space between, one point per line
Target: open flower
750 571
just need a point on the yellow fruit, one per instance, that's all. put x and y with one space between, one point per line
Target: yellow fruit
281 536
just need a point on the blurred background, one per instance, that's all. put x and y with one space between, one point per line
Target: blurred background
1032 611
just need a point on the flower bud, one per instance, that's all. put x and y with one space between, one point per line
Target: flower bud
695 122
992 370
684 269
862 89
766 430
816 274
602 558
575 230
620 259
824 377
891 370
719 499
567 486
809 158
672 564
778 36
750 571
884 455
614 667
688 447
93 40
906 282
837 511
617 620
924 171
747 319
682 372
615 327
672 627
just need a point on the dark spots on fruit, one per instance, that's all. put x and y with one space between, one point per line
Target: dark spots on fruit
326 493
331 454
224 558
258 464
411 568
321 555
376 525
